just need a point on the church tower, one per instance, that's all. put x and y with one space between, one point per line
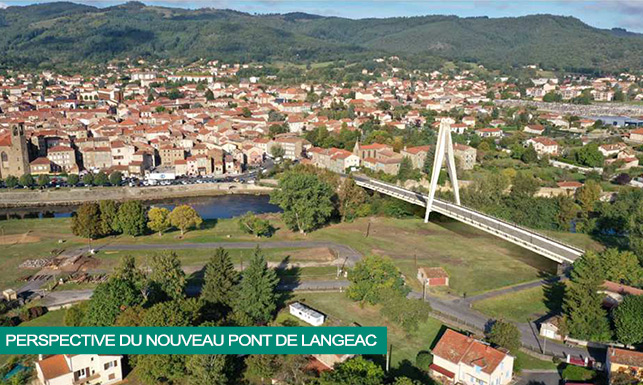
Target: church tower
18 153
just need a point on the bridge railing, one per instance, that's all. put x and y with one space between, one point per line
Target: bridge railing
534 237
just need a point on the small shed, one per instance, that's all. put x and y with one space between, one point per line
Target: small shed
307 314
10 295
433 276
550 328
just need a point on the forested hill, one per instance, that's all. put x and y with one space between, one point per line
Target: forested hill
62 33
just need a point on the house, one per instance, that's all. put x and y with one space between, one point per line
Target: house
433 276
307 314
74 369
627 362
417 155
461 359
466 155
611 149
544 146
615 292
489 133
536 129
550 328
41 166
637 135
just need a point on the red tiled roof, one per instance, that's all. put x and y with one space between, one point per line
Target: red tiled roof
625 357
54 366
442 370
456 348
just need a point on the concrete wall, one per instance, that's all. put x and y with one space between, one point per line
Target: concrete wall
35 198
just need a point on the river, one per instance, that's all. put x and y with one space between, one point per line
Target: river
215 207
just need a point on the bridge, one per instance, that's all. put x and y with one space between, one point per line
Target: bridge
529 239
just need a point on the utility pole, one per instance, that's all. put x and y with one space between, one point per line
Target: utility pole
424 290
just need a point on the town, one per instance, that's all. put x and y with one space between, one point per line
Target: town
491 220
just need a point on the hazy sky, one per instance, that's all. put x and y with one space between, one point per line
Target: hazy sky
600 13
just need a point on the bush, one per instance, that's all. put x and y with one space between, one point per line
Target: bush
32 313
423 360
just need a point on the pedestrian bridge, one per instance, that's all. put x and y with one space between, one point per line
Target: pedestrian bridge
529 239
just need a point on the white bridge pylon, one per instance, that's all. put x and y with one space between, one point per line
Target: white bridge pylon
442 147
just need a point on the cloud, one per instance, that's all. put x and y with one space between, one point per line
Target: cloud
3 5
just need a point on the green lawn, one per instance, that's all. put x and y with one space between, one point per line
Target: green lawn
476 262
52 318
533 363
515 307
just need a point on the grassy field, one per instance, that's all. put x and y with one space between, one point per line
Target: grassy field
515 307
460 249
52 318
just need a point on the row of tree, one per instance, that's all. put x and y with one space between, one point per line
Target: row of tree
89 179
96 220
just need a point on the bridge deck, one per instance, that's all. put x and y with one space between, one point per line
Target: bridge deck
529 239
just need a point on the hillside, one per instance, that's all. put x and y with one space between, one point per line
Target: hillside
61 33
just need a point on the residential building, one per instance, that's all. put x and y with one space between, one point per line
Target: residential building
76 369
41 166
461 359
293 147
169 154
63 157
417 155
544 145
466 155
624 361
637 135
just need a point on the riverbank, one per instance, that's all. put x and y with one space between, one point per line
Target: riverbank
76 196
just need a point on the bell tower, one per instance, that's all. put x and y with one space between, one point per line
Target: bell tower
18 152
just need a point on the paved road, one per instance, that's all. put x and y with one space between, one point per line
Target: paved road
544 377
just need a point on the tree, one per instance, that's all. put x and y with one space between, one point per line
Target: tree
206 369
621 267
427 167
158 219
257 298
423 359
109 216
101 179
504 334
405 172
126 270
185 217
628 320
172 313
72 179
590 156
252 224
26 180
74 315
43 180
372 277
167 279
356 371
263 366
86 221
245 112
583 314
219 282
108 300
588 194
88 179
11 181
132 219
161 368
116 178
524 185
623 179
276 151
529 155
276 129
408 313
351 199
306 200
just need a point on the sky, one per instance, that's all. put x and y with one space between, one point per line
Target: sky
626 14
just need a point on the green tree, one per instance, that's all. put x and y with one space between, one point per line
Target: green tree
185 217
74 315
372 278
588 194
423 359
352 199
43 180
405 172
246 113
88 179
161 368
590 156
529 155
427 167
101 179
306 200
167 278
132 219
252 224
628 320
86 221
219 282
276 151
72 179
583 314
209 369
109 216
158 219
276 129
408 313
209 95
256 298
263 366
108 300
11 181
173 313
356 371
127 270
567 211
26 180
621 267
116 178
524 185
504 334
